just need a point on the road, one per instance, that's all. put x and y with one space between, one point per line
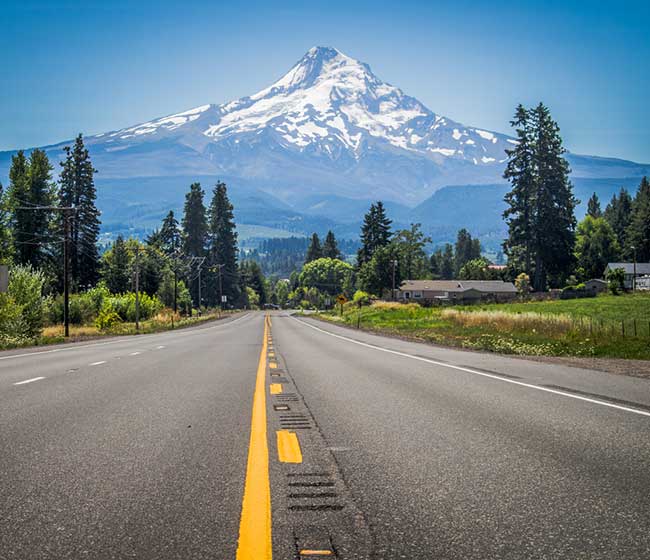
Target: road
288 437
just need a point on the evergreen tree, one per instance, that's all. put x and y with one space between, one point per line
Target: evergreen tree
195 226
330 247
315 250
466 249
222 248
434 264
540 213
554 225
638 232
520 172
30 187
77 189
115 267
254 278
169 234
593 207
375 232
195 229
447 262
618 213
5 235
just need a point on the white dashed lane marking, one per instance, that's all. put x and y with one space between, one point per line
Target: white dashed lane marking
98 363
29 380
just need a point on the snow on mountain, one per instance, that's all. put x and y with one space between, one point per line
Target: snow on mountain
330 104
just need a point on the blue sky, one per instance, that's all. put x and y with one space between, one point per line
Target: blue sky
73 66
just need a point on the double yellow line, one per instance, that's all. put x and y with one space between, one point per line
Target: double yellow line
255 523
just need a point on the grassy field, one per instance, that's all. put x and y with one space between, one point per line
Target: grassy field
606 326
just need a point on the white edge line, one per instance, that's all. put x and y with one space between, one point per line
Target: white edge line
194 330
29 380
475 372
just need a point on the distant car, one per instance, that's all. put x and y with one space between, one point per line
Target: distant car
271 306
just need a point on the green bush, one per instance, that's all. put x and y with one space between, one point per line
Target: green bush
12 324
361 298
124 306
107 318
25 290
84 307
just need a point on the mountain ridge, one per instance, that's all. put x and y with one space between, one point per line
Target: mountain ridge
327 130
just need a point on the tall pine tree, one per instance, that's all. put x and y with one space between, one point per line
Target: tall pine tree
618 213
77 189
638 232
375 232
222 248
31 187
540 213
330 247
555 204
195 231
6 248
169 234
518 214
314 251
593 207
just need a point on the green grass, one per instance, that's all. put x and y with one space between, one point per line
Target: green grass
594 327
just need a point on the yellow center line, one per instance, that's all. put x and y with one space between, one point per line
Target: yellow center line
255 523
288 447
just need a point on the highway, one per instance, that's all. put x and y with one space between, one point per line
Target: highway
280 436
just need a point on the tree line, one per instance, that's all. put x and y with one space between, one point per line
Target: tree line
544 241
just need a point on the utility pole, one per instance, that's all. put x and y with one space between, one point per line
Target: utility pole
66 274
68 214
200 265
137 288
394 263
218 268
634 270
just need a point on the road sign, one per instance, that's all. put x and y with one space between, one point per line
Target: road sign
224 299
341 299
4 278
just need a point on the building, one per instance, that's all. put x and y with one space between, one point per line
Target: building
466 291
596 285
642 269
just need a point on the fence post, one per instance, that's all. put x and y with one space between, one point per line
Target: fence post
634 326
623 327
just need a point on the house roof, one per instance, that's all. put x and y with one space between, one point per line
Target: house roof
641 268
484 286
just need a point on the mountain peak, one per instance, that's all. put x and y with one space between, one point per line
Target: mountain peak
318 64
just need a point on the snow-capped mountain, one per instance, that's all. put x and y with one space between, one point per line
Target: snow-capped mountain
326 132
330 105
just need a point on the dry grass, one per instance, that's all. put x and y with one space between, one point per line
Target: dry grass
55 331
387 305
509 322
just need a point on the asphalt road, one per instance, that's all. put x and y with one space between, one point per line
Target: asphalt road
316 441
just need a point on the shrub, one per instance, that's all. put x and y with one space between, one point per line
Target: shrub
124 306
361 298
522 283
616 280
25 291
107 318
